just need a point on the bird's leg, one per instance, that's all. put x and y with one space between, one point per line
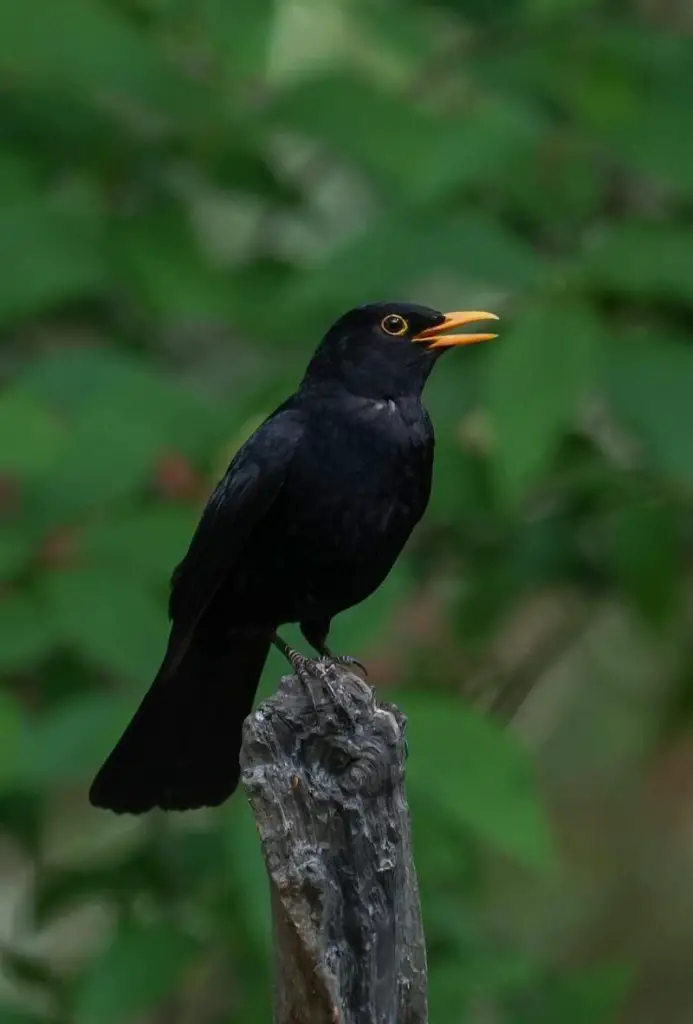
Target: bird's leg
316 633
299 662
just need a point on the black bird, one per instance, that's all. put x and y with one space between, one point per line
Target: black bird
308 520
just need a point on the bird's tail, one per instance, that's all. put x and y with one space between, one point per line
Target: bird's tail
180 751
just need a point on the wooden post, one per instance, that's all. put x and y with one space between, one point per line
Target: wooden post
323 768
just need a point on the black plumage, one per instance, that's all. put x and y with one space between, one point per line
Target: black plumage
308 520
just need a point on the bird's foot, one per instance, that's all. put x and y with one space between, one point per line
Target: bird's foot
329 659
308 670
343 659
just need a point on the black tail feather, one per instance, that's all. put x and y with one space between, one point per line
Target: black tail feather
180 751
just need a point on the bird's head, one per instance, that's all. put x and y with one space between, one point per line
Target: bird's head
387 349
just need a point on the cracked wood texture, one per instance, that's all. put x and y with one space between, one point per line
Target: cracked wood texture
323 768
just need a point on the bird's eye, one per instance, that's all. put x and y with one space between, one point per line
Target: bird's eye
395 324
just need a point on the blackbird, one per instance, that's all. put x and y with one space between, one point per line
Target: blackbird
308 520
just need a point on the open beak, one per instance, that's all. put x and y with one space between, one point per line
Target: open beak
435 337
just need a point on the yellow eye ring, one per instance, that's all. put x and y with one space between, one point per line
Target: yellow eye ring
394 324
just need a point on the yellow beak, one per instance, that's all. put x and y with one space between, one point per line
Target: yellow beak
436 337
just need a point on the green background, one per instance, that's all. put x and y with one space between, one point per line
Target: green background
190 192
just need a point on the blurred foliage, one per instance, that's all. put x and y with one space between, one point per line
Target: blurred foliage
189 193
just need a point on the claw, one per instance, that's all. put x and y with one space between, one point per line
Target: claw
345 659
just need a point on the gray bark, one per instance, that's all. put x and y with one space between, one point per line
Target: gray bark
323 768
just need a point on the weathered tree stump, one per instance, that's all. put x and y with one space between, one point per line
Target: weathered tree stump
324 773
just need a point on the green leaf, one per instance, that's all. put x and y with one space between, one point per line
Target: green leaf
23 815
240 33
108 618
472 972
479 776
33 971
50 250
460 489
650 383
400 250
58 890
374 129
29 436
110 453
74 136
240 164
596 998
11 724
652 139
184 421
14 1015
150 542
16 550
82 379
26 637
480 12
491 594
74 378
645 557
359 627
643 260
67 743
169 272
198 860
141 968
541 369
86 46
548 9
17 173
588 997
248 876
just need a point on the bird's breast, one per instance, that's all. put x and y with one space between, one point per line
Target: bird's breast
369 468
358 483
354 494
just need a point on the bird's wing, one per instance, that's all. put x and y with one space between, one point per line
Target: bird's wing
250 485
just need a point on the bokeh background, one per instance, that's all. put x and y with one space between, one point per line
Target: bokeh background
190 192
